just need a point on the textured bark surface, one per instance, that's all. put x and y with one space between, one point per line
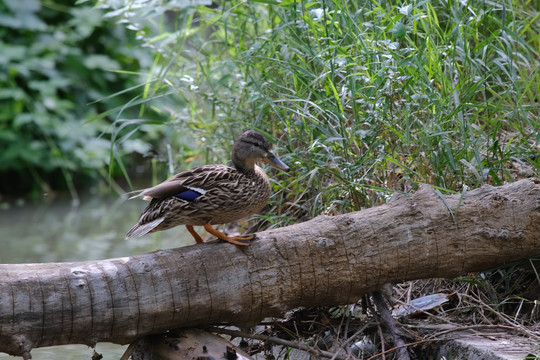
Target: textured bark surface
325 261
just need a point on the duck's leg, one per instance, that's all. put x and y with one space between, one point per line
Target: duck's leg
194 233
238 240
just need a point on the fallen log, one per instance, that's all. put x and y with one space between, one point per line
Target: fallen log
324 261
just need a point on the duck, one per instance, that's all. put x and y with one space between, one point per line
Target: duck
212 194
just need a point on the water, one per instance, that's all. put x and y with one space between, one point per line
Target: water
59 232
95 230
74 352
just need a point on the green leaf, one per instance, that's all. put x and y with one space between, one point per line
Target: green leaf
399 30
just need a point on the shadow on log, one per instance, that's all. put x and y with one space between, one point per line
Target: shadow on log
324 261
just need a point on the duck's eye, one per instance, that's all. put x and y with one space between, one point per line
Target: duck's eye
254 143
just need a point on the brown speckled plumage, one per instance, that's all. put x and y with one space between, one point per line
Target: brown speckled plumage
211 194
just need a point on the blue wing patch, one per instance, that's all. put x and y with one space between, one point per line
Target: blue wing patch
188 195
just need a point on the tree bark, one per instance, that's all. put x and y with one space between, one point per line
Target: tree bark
324 261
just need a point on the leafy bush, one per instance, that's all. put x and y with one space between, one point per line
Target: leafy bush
59 64
365 98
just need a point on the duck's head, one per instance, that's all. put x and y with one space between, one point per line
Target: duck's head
251 147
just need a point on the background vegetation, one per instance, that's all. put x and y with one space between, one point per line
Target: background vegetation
362 99
357 95
59 66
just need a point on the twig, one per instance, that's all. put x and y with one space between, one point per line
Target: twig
474 327
275 340
503 317
388 321
401 346
383 346
128 351
351 338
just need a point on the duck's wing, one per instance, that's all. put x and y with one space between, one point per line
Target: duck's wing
187 185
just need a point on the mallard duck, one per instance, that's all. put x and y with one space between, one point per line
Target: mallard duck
212 194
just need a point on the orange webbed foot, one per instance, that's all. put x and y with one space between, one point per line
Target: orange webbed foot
237 240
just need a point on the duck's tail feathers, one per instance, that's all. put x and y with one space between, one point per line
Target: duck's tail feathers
139 193
134 194
142 229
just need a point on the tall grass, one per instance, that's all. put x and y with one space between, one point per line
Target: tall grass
363 98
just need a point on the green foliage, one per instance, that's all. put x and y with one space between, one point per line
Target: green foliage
58 65
365 98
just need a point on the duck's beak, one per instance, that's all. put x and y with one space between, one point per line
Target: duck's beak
273 160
